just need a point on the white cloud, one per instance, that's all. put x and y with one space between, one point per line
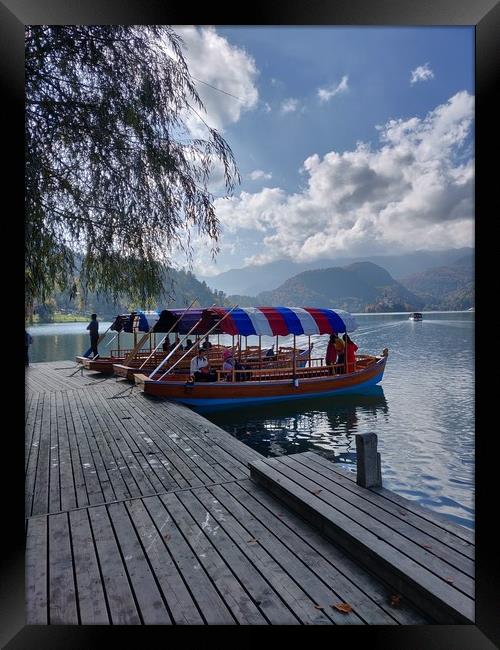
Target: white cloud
325 94
289 105
258 174
421 73
410 192
213 60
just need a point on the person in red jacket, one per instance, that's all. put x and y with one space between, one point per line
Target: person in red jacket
350 354
331 352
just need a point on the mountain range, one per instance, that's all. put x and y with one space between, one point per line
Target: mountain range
251 280
356 287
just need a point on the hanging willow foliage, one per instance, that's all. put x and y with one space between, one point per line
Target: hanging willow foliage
114 179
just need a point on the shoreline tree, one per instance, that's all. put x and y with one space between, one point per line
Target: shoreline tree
114 178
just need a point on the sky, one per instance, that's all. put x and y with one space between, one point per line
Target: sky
350 141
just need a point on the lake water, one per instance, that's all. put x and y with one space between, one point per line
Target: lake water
422 412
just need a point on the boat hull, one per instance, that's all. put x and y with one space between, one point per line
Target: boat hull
244 393
102 364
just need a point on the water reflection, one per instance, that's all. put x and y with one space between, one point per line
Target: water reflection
326 425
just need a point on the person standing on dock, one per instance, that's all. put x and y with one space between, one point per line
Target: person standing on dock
28 340
93 328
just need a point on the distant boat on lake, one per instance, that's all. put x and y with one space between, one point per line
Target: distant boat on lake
417 316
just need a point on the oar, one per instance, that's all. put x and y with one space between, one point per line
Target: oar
196 344
167 333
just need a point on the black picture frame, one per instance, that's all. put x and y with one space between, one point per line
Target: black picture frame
14 15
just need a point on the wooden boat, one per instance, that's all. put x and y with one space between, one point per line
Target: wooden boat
187 323
262 380
416 316
132 323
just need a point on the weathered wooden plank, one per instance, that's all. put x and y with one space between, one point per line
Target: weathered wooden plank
31 470
184 465
241 452
262 504
54 473
346 590
147 452
93 486
82 498
369 549
30 425
212 451
393 520
402 544
146 479
104 441
36 571
62 591
378 526
432 517
122 454
42 474
66 474
172 437
199 504
211 605
90 428
235 597
148 597
122 607
179 600
90 591
307 596
428 521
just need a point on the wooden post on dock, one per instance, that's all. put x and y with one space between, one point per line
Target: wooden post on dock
369 473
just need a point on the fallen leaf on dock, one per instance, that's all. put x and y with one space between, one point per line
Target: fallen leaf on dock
166 537
395 600
252 541
426 545
345 608
316 492
449 580
404 514
318 606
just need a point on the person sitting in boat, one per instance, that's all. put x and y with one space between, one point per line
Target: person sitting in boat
166 344
331 353
199 366
177 342
340 347
270 352
228 365
189 344
206 344
351 349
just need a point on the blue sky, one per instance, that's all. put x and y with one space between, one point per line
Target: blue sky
314 94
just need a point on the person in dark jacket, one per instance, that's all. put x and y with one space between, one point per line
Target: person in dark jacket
28 340
93 328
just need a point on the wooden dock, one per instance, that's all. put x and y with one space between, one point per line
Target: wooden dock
140 511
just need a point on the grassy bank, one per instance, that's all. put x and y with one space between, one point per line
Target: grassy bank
59 317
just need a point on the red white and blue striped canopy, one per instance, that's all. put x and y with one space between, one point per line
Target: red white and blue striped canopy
281 321
245 321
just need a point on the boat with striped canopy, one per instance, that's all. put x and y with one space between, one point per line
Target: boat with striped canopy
193 323
259 378
131 323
